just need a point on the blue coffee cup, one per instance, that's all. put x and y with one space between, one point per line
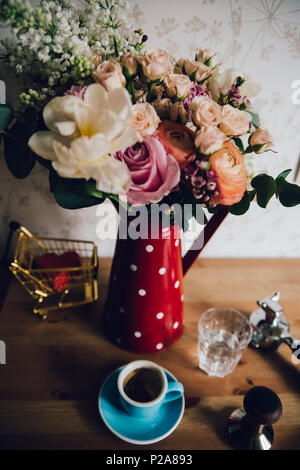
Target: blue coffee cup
168 392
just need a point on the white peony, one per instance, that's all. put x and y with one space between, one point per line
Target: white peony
85 133
223 81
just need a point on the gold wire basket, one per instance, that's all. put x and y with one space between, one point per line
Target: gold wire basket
56 287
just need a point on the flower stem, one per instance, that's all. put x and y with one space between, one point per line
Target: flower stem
149 95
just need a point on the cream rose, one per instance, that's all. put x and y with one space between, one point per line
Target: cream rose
209 139
177 85
205 111
162 107
144 118
261 140
109 75
130 62
233 121
197 70
178 112
155 64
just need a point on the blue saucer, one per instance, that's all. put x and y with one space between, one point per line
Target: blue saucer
134 430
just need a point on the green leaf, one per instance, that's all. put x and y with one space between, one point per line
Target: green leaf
18 156
239 144
280 180
73 193
265 187
288 193
6 113
255 118
241 207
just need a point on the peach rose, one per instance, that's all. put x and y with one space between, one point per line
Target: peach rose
209 139
144 118
205 111
129 60
229 166
155 64
178 140
261 140
177 85
198 70
234 122
109 75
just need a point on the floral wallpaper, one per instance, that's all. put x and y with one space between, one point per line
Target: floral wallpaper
258 37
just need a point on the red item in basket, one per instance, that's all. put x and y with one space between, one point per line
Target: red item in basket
70 259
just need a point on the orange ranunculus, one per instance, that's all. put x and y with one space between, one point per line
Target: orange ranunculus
229 166
178 141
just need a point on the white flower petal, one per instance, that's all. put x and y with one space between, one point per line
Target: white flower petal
129 137
62 108
119 101
112 176
96 96
42 144
66 171
66 127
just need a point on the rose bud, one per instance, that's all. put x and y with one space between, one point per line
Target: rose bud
130 62
109 75
261 140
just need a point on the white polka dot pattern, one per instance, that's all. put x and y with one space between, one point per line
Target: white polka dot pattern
162 271
176 285
160 315
133 267
137 334
159 346
142 292
149 248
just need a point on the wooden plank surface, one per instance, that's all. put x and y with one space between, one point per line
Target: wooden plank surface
49 386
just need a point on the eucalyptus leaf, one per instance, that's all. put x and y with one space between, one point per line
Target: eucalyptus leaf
255 118
288 193
241 207
265 188
239 143
6 113
18 156
72 193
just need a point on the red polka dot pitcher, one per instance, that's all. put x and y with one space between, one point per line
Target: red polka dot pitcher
144 309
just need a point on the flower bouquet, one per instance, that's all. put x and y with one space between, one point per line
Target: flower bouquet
111 119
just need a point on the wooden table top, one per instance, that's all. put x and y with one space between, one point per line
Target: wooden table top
49 386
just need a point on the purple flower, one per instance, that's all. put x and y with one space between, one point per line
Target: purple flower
196 90
77 91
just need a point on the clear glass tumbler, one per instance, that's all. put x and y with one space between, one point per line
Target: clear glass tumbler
223 334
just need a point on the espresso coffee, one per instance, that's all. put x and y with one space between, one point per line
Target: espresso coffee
143 384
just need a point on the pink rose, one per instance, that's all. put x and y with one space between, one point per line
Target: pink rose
155 64
144 118
109 75
209 139
205 111
234 122
153 172
130 62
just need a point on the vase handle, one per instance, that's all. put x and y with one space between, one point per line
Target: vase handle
209 229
